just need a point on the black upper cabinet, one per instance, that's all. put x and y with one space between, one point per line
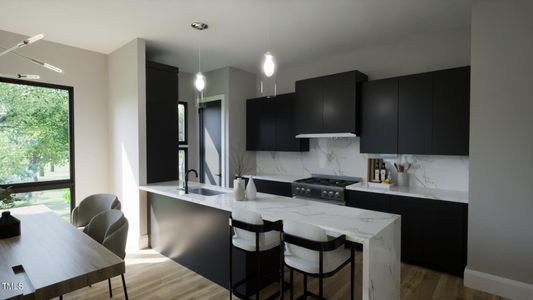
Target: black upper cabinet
260 125
309 105
425 113
270 125
328 104
161 122
379 118
451 111
415 114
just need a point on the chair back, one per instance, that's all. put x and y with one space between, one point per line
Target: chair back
249 217
93 205
110 228
306 231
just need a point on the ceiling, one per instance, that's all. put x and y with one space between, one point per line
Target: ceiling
301 30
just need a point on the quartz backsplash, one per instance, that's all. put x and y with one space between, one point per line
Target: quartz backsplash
342 157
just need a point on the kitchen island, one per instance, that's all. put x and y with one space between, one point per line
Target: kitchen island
191 228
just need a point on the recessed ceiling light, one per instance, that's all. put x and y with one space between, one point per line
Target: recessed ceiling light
199 25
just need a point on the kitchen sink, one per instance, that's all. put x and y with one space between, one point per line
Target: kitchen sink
205 192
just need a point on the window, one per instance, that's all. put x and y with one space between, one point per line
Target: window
36 137
182 139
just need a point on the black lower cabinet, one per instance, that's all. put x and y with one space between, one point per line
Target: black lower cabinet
434 232
197 237
272 187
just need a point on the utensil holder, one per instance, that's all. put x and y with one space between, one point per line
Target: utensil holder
403 179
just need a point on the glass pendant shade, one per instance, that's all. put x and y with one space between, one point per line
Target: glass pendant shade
269 67
199 82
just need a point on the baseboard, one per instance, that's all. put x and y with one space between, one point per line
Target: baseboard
144 241
496 285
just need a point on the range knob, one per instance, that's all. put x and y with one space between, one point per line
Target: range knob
337 195
297 189
324 193
308 191
330 194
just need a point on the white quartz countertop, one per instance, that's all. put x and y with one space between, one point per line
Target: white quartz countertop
418 192
358 225
277 177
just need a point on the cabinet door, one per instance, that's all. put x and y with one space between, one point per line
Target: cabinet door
272 187
379 116
253 111
285 131
444 233
339 96
309 106
161 123
415 114
412 235
370 201
451 111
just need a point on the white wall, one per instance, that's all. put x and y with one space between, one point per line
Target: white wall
127 128
500 223
414 54
241 88
86 71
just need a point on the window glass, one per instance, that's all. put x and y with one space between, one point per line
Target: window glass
34 134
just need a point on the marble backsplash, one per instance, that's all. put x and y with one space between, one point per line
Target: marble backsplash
342 157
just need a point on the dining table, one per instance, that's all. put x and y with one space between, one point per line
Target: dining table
51 257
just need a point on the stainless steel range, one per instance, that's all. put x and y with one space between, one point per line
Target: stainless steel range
325 188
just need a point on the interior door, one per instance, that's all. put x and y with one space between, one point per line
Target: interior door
211 143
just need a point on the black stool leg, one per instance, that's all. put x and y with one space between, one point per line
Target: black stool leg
110 291
352 273
258 276
320 276
230 264
292 285
305 285
61 297
124 285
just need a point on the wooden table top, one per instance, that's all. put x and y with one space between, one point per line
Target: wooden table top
51 257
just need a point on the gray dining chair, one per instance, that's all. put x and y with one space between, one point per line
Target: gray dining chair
110 228
91 206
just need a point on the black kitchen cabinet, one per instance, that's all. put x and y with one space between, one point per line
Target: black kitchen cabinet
161 122
272 187
328 104
370 201
451 111
415 114
445 236
412 233
260 125
309 106
434 232
379 117
426 113
270 125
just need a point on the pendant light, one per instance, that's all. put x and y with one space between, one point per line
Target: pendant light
199 80
268 65
22 44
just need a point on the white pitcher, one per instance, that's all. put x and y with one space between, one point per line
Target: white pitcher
251 190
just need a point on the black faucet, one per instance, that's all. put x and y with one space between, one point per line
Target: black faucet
187 179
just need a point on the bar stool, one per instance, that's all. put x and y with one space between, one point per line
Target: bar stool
251 234
308 250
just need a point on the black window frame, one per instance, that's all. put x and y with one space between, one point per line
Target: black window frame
183 145
186 130
25 187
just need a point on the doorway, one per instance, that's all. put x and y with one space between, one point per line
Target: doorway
211 142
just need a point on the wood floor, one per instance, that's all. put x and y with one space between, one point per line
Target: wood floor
150 275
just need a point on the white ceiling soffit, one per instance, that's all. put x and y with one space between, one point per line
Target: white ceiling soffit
301 30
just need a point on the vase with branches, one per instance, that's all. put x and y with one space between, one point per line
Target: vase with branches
7 200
